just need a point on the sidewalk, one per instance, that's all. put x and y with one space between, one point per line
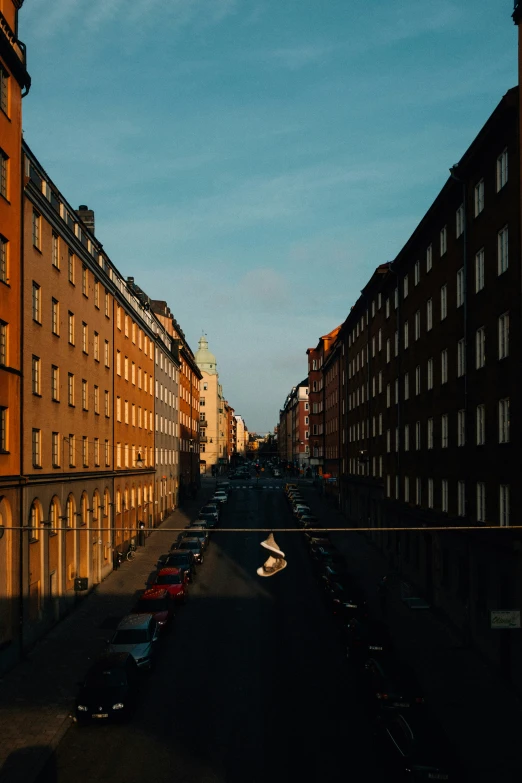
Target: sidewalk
37 696
474 706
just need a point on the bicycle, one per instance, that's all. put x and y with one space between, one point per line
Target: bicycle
129 555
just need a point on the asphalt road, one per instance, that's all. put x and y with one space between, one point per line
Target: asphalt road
250 685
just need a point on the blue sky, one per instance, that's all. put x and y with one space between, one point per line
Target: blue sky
253 161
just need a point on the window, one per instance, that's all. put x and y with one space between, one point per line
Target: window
55 383
55 251
444 366
430 433
4 245
429 258
36 375
503 421
118 408
388 350
430 374
85 281
96 452
55 449
3 343
481 502
417 435
444 431
418 491
37 220
126 411
379 339
502 169
387 308
126 369
4 90
460 287
406 489
85 395
55 317
479 197
429 315
96 347
443 240
481 424
97 295
503 515
461 358
118 317
107 404
503 336
107 454
388 441
430 493
416 273
85 451
406 437
443 302
107 304
70 388
85 338
418 380
406 335
461 498
97 400
37 312
406 386
4 165
417 325
397 343
444 496
3 430
72 454
480 348
37 448
396 297
479 270
71 327
461 428
388 395
502 250
70 267
459 221
107 354
405 287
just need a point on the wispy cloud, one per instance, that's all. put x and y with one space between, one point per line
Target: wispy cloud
296 57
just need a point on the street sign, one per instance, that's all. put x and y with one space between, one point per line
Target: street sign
505 618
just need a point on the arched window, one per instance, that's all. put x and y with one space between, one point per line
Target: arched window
106 501
118 501
54 514
126 498
96 508
84 509
70 511
35 519
133 497
144 495
139 495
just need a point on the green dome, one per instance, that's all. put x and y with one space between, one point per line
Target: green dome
204 358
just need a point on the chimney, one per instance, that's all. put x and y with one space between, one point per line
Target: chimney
86 215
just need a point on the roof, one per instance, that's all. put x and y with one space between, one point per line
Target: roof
135 621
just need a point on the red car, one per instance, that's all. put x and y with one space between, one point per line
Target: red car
158 602
174 581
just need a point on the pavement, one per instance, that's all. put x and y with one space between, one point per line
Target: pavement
479 713
35 696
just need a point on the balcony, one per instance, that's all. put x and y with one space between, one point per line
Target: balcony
203 423
203 439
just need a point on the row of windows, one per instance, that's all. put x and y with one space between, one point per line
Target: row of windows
144 380
126 455
78 450
361 430
415 486
36 384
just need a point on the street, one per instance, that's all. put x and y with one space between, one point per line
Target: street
250 684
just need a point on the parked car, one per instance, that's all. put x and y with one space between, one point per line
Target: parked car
136 634
178 558
391 684
413 747
300 509
308 520
212 520
174 580
223 486
220 496
109 690
193 545
158 602
193 532
200 524
212 507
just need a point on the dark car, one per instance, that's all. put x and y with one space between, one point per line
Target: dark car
391 684
178 558
109 690
158 602
211 519
193 532
194 545
211 508
308 520
366 639
325 556
318 539
413 747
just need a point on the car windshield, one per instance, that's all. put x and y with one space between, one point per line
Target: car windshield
168 579
152 605
111 678
189 545
175 560
131 636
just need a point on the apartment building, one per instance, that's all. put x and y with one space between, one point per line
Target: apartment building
212 415
231 432
294 424
241 435
14 84
316 388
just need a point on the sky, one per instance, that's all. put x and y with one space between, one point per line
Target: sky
253 161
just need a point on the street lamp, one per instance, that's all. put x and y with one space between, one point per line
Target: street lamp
139 461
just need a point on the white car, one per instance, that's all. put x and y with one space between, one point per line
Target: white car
220 496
